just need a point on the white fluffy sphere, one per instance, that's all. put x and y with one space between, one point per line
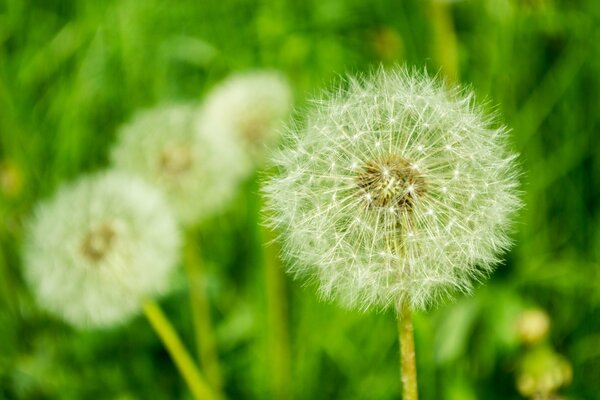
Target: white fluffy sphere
198 169
98 247
396 190
251 107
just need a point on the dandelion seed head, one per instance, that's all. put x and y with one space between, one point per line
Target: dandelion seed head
174 148
100 245
250 106
431 185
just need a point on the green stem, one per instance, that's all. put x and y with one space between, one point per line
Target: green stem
7 282
444 39
182 359
277 319
407 354
205 341
278 340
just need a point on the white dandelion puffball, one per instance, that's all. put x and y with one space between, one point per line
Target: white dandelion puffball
171 147
397 191
250 106
98 247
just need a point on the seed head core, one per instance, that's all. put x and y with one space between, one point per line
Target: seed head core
98 242
390 181
255 128
175 160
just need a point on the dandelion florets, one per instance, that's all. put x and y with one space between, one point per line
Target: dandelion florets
397 189
98 247
172 147
250 106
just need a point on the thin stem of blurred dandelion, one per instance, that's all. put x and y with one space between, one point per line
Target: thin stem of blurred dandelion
205 340
184 362
277 318
408 367
8 285
277 338
445 46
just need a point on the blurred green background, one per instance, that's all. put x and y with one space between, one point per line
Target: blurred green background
72 72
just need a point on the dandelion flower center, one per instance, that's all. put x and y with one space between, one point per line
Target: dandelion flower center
98 242
390 181
175 160
254 128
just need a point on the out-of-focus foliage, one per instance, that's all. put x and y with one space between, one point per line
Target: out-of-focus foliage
72 72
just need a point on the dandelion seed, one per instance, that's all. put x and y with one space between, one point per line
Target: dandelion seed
425 164
173 148
98 247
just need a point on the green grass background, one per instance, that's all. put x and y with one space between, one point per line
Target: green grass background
72 72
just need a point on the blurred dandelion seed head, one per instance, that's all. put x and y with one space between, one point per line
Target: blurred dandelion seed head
395 189
250 106
542 372
11 179
98 246
173 148
533 325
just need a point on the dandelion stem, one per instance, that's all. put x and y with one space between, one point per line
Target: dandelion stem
7 283
277 312
407 354
205 341
444 39
163 328
278 341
